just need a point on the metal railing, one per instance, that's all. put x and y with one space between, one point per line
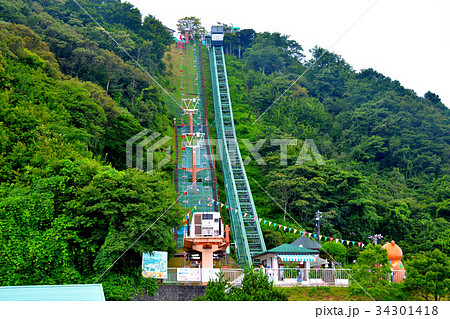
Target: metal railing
246 230
317 276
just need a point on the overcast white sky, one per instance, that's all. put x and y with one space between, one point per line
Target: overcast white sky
407 40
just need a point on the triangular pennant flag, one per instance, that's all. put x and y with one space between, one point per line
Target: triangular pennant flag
260 220
231 208
315 235
353 242
279 226
265 221
284 227
336 240
326 237
270 223
213 200
201 200
255 218
390 261
226 206
362 245
359 244
309 234
331 238
348 242
295 230
221 205
342 241
320 236
209 199
304 233
275 224
290 229
245 214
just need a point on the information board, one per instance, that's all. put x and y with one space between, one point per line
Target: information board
188 274
154 264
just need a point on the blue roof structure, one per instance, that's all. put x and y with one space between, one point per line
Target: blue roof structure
53 293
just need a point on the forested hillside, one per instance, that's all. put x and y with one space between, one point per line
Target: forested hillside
386 149
69 100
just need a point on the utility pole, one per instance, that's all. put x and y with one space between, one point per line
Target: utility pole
318 217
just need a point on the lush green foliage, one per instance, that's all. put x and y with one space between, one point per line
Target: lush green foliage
371 275
333 251
255 286
385 149
65 215
428 275
84 50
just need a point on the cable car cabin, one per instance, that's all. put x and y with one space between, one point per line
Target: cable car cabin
208 224
217 35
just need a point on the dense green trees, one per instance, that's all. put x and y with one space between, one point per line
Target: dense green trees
386 149
371 275
84 50
428 275
65 215
255 286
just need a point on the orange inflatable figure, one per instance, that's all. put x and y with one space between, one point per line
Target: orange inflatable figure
395 255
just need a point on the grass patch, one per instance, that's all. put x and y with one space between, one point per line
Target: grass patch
326 293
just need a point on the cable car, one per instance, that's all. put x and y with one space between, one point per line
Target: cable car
217 35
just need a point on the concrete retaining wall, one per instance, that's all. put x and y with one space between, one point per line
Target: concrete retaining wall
173 293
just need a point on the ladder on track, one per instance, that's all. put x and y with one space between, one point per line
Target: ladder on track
245 226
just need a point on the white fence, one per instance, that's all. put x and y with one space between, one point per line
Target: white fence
279 276
316 276
199 275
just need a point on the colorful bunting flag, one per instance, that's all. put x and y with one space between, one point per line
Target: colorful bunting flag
309 234
315 235
304 233
270 223
284 227
265 221
290 229
279 226
331 238
295 230
359 244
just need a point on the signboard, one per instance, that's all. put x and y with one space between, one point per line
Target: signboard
154 264
188 274
217 37
210 274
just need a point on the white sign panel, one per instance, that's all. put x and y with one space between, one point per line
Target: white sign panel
188 274
210 274
216 37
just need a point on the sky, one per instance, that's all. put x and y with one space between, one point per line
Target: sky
406 40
